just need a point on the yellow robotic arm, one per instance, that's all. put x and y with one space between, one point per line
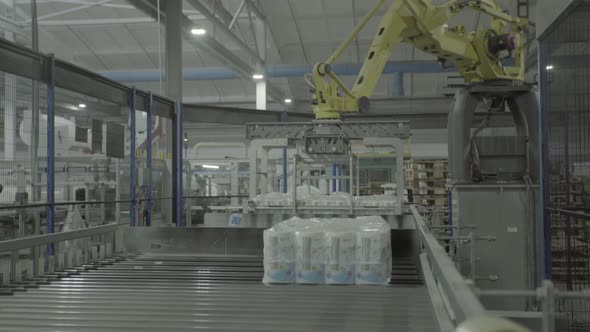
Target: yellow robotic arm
477 54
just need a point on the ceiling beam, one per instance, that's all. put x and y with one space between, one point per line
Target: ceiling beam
241 66
252 8
237 15
198 5
75 2
71 10
123 20
9 25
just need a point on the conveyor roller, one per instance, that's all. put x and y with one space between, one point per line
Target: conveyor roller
186 293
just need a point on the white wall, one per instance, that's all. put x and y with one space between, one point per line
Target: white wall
547 11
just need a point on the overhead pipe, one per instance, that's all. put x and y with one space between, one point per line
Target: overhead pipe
279 71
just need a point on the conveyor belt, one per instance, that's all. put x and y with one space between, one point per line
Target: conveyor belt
186 293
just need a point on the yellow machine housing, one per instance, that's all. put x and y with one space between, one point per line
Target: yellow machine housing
477 55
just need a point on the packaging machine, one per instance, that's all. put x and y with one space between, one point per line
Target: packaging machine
319 157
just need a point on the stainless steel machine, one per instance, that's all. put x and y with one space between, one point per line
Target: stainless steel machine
313 153
495 181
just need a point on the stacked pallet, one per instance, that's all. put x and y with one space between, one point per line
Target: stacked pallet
570 237
426 180
572 264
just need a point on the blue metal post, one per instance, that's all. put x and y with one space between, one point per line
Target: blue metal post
398 84
545 221
339 177
50 150
148 161
450 206
334 178
132 161
177 176
285 160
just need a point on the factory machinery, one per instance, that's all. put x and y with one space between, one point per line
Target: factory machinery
92 186
121 278
480 273
317 155
115 277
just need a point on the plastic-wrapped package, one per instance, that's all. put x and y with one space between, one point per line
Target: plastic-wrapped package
74 222
333 251
273 199
311 200
339 199
308 195
278 199
373 251
335 199
306 190
377 201
311 196
340 263
260 200
310 253
279 256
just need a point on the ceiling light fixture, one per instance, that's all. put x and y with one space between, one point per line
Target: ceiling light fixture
210 166
257 76
198 31
288 101
81 105
550 67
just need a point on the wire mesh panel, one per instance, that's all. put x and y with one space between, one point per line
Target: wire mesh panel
16 136
92 152
161 141
565 84
22 169
67 158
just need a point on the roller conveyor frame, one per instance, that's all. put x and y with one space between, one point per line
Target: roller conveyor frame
187 292
129 295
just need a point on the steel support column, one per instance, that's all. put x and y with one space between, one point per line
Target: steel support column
339 178
284 118
148 161
34 136
50 149
543 160
334 167
10 124
261 92
174 33
398 85
34 139
178 164
132 158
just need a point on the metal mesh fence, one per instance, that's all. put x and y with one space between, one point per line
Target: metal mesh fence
16 136
161 141
22 168
91 156
565 91
66 154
